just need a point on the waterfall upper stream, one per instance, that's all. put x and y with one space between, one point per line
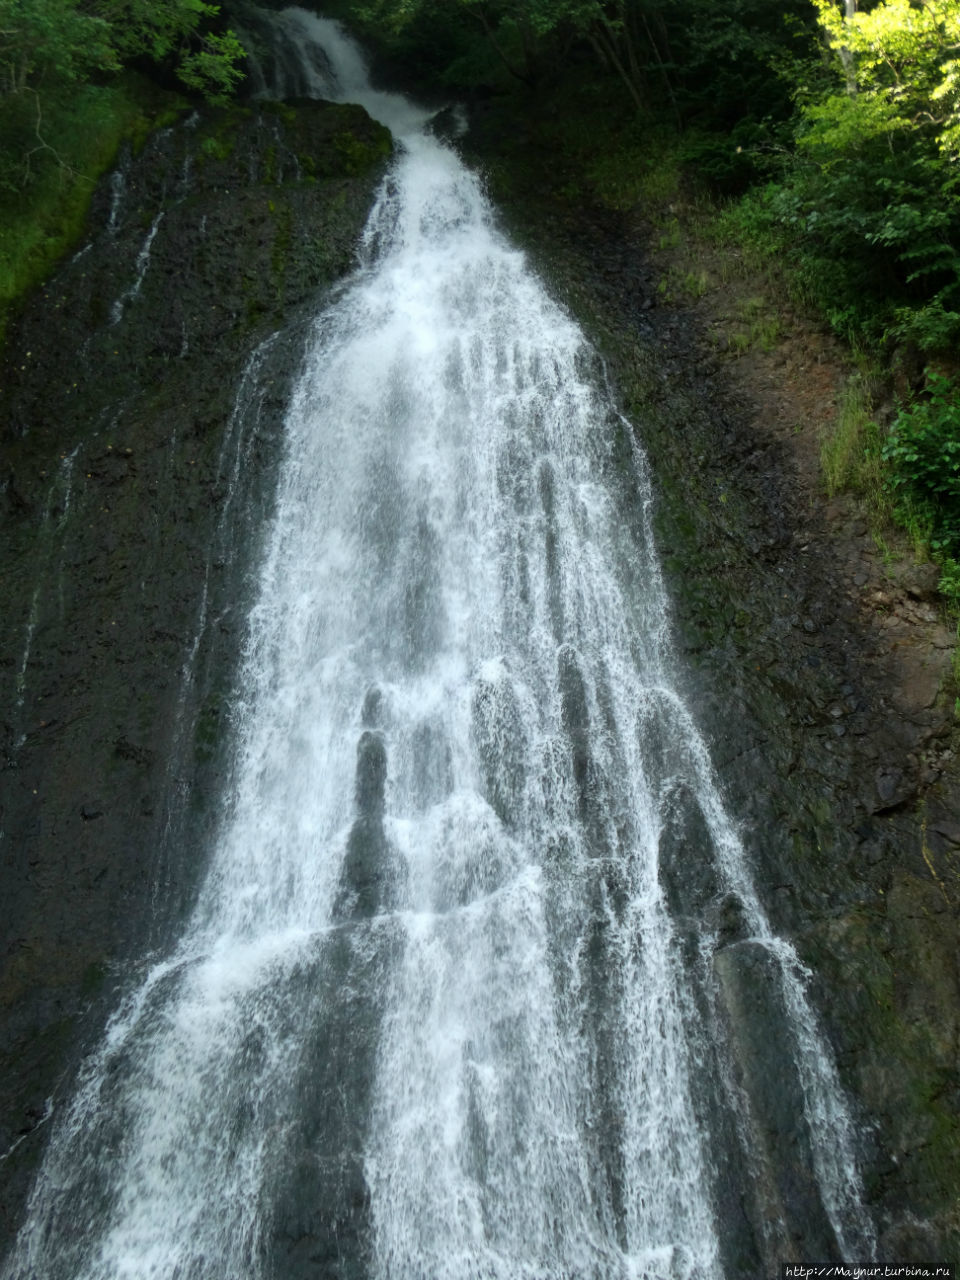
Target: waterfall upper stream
468 985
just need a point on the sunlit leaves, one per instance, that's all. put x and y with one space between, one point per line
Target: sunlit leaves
905 52
873 195
832 127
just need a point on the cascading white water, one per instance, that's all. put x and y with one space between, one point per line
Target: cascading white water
433 979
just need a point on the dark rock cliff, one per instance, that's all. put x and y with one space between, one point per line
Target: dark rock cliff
141 399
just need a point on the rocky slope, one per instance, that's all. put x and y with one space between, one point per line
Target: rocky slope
141 398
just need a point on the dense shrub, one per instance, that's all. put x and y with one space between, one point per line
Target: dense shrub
923 455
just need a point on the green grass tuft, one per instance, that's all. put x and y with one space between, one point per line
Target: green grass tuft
850 448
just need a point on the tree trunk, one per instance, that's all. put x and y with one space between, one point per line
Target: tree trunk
846 56
603 42
658 58
491 36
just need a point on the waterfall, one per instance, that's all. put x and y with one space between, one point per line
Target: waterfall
459 996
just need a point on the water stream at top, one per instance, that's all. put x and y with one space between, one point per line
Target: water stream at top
433 1014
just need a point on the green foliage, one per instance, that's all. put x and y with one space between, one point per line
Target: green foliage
181 32
930 326
157 28
64 107
904 54
694 60
923 455
56 41
850 448
869 203
679 286
729 162
213 69
752 234
43 217
220 147
43 38
357 155
632 173
949 587
52 49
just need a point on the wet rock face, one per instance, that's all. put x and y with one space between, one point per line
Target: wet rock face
783 1189
319 1206
142 397
373 876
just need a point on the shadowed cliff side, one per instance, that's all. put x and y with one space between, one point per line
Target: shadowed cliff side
141 400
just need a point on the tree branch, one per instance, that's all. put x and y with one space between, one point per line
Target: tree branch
44 145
